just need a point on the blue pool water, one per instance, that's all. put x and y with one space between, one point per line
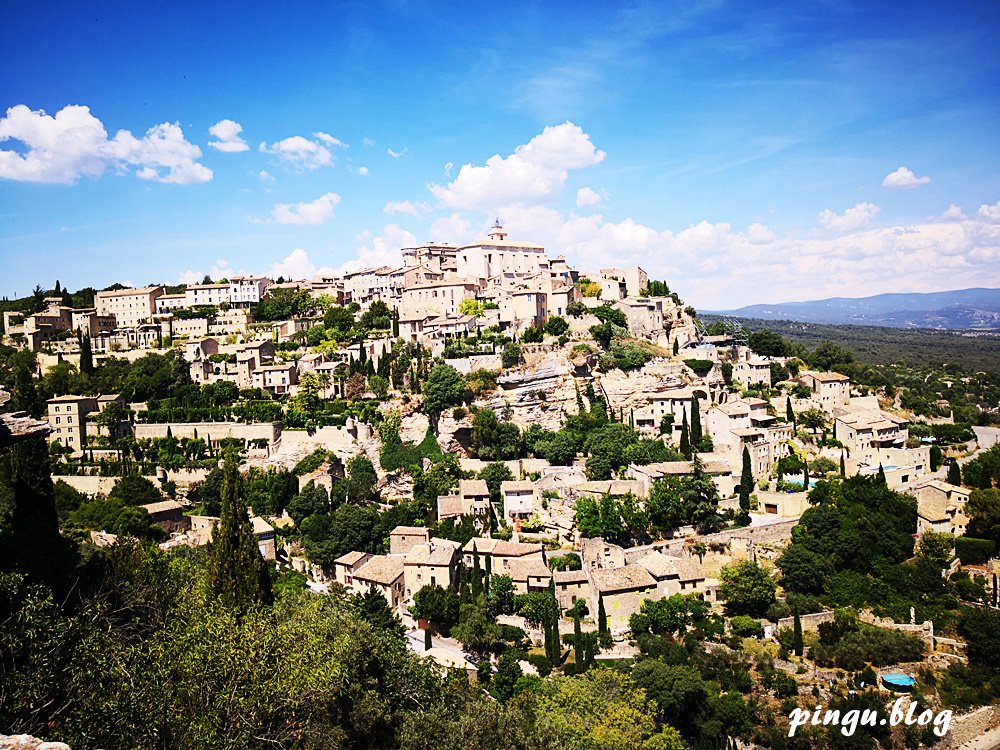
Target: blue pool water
897 681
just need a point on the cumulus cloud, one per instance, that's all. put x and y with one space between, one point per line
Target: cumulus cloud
535 173
904 178
300 152
397 154
853 218
368 142
405 207
382 250
73 144
363 171
587 197
221 270
990 213
449 168
953 213
265 176
297 266
758 233
312 212
227 135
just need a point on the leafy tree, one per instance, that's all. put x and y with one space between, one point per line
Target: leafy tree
511 356
556 326
476 631
501 594
135 490
361 479
443 388
672 615
373 608
504 681
494 475
379 386
237 575
936 457
313 499
768 344
747 589
115 516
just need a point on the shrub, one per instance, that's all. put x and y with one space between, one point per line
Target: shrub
973 551
701 367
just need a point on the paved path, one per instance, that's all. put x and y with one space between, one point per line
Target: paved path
989 741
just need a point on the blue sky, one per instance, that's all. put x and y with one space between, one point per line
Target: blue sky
787 151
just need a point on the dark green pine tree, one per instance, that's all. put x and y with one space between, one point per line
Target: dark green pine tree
843 466
955 473
805 474
237 575
789 413
488 579
746 484
881 474
677 347
86 355
696 433
685 445
602 617
781 473
427 639
797 634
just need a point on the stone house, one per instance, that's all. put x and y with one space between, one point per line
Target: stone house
385 574
431 563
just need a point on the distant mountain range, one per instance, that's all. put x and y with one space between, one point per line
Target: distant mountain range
962 309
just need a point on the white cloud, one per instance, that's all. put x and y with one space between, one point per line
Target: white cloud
363 171
455 229
954 213
758 233
990 213
368 142
536 171
904 178
221 270
405 207
329 139
380 251
74 144
312 212
227 134
300 152
297 265
448 168
397 154
587 197
265 176
853 218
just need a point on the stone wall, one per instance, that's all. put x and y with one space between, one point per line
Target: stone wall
809 622
973 726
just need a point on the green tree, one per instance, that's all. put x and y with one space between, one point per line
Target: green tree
443 388
789 412
86 355
135 490
955 473
746 486
556 326
696 434
685 444
504 681
511 356
747 589
797 634
237 575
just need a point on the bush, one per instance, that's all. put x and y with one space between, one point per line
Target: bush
701 367
746 627
973 551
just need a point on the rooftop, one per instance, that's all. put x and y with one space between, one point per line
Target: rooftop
627 578
381 569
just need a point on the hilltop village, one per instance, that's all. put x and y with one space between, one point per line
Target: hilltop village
495 442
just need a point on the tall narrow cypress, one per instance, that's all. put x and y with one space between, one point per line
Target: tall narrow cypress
955 473
86 355
476 572
577 640
696 433
685 441
602 617
805 474
881 474
489 575
789 414
237 575
843 466
746 482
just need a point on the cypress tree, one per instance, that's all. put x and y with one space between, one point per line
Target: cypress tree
427 639
797 644
489 575
579 400
86 355
237 575
781 472
955 473
577 640
746 483
685 446
789 413
696 433
805 474
935 458
881 474
476 572
602 617
994 589
843 466
677 347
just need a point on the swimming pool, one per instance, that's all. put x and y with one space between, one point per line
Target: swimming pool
901 682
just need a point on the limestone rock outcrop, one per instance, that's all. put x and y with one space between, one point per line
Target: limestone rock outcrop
538 393
27 742
17 426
